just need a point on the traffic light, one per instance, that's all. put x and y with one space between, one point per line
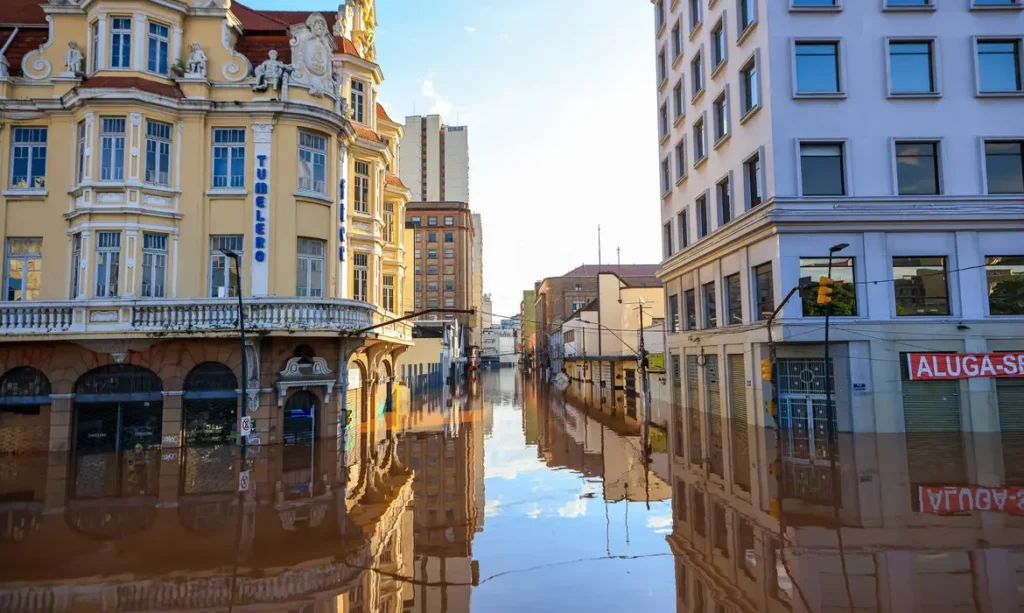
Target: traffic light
825 290
766 370
772 409
774 508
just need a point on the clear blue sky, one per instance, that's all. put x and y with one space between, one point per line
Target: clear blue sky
559 97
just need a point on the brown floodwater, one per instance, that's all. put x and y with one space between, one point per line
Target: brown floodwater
510 495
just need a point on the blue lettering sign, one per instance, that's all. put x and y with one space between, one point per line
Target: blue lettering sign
261 228
261 188
341 190
262 159
261 242
341 234
259 215
341 253
261 256
261 201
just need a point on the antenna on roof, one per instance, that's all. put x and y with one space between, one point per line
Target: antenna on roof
599 247
618 256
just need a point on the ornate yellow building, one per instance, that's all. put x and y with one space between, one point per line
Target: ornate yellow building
141 143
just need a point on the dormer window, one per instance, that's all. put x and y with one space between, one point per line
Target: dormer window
358 100
159 37
121 42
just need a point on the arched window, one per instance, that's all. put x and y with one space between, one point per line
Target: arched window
120 381
24 390
118 407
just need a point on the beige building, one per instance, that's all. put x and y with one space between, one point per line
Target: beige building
478 278
601 340
435 159
144 140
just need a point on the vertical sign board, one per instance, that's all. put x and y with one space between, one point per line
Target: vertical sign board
938 366
243 481
261 209
342 291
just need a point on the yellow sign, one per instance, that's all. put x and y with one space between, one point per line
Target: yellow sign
655 361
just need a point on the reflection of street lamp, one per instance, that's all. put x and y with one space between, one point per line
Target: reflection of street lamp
832 425
241 329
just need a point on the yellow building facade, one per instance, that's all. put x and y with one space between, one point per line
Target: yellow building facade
142 144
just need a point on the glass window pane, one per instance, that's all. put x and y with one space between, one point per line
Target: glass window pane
817 68
910 67
844 296
917 168
920 286
1005 284
1004 166
999 66
822 170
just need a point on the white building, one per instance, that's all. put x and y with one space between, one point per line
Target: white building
435 158
788 127
498 346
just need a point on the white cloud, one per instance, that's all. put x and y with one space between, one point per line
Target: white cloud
573 508
438 104
532 510
469 29
492 508
662 524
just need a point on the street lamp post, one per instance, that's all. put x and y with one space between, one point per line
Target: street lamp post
829 410
241 329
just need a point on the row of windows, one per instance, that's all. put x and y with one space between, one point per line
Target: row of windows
432 286
449 269
449 237
24 258
449 253
120 53
920 288
29 152
432 303
432 221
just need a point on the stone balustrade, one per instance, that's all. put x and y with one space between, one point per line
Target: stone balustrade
85 318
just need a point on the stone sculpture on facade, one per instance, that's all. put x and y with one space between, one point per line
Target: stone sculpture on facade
272 74
312 48
74 59
195 67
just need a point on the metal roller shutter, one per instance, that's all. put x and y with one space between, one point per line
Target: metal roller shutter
1010 398
740 435
935 444
677 403
692 400
713 379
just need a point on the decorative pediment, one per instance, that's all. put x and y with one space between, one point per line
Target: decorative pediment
300 368
313 47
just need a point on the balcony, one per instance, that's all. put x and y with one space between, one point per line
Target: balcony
189 316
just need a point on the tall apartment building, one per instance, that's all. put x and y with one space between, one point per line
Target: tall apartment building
441 259
886 132
435 159
139 164
478 278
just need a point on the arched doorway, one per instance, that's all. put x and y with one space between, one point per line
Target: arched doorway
210 414
118 407
24 390
300 417
210 404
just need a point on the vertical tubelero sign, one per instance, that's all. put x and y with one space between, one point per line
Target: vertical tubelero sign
262 136
342 276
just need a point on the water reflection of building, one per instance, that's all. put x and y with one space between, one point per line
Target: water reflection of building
596 442
442 442
147 531
772 544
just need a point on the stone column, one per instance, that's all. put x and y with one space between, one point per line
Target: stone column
170 433
60 422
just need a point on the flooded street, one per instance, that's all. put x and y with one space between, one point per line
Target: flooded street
504 495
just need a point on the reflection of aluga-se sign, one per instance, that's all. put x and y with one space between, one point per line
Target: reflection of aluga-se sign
935 366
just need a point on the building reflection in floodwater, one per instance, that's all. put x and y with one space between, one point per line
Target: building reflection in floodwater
505 494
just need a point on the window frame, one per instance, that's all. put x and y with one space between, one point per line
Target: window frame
387 294
690 319
841 79
743 29
934 66
726 280
835 7
938 143
676 36
158 39
313 152
662 65
361 187
754 64
697 76
664 125
845 165
156 254
722 114
976 5
666 174
310 260
1018 41
114 261
984 141
694 16
357 95
76 265
719 32
361 277
683 227
33 148
666 240
754 274
125 35
230 149
988 287
700 140
700 203
24 258
928 7
233 240
813 287
162 151
678 101
946 261
761 178
704 294
81 146
112 138
681 166
727 180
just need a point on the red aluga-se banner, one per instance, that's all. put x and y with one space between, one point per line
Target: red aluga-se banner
954 499
935 366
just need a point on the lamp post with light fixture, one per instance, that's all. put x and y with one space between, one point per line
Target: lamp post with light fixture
241 330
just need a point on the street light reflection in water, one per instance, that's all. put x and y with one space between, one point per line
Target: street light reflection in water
506 494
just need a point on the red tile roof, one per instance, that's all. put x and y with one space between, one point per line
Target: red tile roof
22 12
390 179
382 114
623 270
153 87
367 133
26 40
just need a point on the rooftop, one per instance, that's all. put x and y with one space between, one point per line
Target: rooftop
623 270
